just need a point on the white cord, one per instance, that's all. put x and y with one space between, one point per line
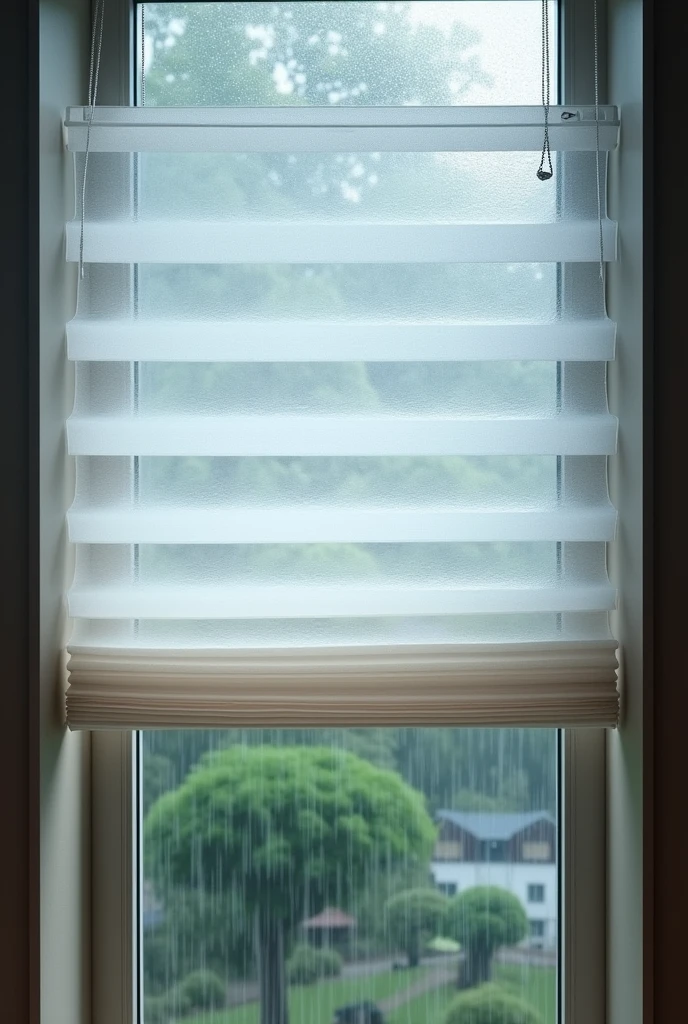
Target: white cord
143 55
93 75
597 140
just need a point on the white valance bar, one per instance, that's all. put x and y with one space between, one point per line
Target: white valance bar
271 435
218 341
547 684
338 129
189 601
277 242
318 525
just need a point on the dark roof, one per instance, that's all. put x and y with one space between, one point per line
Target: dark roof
492 826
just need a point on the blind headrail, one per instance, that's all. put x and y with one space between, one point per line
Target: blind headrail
323 129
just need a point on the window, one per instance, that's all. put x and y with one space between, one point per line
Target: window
537 929
321 841
494 850
537 851
154 526
536 893
448 849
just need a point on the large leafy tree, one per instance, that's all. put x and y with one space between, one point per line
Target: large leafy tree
462 769
292 829
413 917
482 919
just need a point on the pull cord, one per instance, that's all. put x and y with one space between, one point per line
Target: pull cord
93 75
597 139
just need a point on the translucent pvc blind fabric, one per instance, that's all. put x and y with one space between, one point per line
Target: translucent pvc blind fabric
341 451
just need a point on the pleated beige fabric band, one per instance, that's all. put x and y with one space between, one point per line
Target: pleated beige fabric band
548 684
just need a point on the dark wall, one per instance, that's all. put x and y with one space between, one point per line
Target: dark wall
19 874
666 671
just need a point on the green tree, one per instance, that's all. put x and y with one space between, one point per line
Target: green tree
482 919
502 769
157 779
198 929
459 769
296 828
413 917
512 795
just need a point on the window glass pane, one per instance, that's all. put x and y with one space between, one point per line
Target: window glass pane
351 53
312 872
261 848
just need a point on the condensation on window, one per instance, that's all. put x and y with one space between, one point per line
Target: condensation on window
363 53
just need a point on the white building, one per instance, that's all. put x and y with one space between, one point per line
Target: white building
513 851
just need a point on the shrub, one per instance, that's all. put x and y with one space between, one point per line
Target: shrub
201 990
490 1004
412 917
482 919
307 965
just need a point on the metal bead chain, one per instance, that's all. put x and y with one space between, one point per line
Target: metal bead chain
544 173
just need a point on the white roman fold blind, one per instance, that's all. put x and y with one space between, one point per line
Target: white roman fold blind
341 442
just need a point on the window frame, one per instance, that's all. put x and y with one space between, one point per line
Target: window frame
116 960
116 785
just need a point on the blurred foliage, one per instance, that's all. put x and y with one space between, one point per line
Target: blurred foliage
490 1004
482 919
413 917
281 832
306 965
457 769
202 990
297 827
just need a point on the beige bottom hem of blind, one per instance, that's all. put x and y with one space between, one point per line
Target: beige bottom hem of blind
534 684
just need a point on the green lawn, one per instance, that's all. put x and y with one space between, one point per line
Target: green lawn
315 1004
536 985
425 1009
